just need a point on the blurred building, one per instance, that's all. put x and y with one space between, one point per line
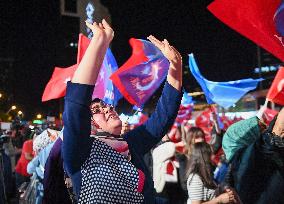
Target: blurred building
73 16
7 81
267 67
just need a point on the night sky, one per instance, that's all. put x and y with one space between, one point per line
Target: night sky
30 33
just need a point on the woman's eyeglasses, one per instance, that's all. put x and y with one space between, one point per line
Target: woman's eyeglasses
99 106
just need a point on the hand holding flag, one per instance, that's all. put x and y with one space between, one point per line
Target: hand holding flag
88 69
104 88
175 72
101 30
140 76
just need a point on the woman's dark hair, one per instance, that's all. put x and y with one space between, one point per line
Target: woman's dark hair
189 138
200 163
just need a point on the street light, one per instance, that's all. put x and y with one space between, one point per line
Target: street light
38 116
20 114
12 108
1 95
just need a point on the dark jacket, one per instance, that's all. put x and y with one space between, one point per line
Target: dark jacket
77 142
257 172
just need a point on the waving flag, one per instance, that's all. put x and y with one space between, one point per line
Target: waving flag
185 109
279 19
276 91
259 20
269 115
139 77
104 88
224 94
56 87
83 44
186 99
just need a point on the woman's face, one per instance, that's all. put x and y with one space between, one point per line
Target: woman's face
199 138
106 117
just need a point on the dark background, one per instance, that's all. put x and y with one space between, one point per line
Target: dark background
31 34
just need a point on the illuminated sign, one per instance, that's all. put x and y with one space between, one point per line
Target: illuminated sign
90 9
39 122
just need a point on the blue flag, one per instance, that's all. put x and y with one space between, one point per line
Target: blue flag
104 88
186 99
224 94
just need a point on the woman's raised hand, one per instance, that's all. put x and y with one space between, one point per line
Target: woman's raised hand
168 51
101 30
175 71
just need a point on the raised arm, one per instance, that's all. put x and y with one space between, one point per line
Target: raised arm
88 69
77 117
150 133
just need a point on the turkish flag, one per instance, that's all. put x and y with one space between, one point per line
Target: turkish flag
276 91
141 75
56 87
83 44
254 19
203 120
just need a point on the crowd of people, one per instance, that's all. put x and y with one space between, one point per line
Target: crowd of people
95 158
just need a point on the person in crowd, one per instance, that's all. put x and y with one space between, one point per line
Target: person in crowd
221 170
55 179
5 168
192 136
111 169
21 167
166 171
200 183
189 138
256 157
42 145
17 140
219 157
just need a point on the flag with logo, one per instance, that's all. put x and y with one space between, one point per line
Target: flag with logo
104 88
139 77
259 20
224 94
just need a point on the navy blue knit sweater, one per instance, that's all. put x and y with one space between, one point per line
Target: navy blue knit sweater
77 142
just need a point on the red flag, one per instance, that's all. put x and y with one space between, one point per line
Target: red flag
140 76
56 87
276 91
254 19
203 120
268 115
83 44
